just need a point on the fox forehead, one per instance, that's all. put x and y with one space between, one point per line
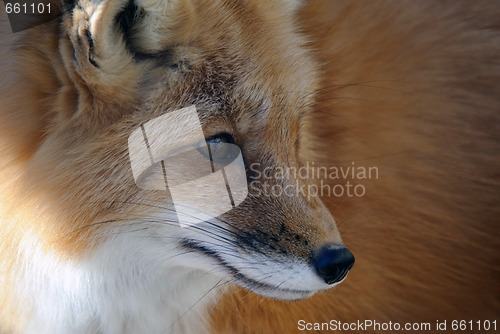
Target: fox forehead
229 67
216 52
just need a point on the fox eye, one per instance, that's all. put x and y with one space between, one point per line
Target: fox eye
217 149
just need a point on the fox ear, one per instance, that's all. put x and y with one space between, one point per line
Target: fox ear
96 52
106 37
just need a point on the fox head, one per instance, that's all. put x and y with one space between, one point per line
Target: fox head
245 68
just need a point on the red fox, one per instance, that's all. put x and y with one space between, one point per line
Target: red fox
93 241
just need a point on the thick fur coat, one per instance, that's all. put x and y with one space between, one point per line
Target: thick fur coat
409 87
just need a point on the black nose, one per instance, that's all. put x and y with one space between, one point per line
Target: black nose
332 263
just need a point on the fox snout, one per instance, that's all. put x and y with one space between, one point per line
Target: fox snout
332 262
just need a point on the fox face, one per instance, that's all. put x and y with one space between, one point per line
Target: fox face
122 64
164 57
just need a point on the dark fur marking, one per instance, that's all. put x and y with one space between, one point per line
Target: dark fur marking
282 228
125 21
68 5
160 57
88 35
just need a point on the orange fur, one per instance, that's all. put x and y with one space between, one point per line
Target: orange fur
409 87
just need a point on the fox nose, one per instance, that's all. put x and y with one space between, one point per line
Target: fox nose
332 262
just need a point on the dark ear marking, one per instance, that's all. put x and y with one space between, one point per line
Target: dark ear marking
126 20
90 41
69 5
84 50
